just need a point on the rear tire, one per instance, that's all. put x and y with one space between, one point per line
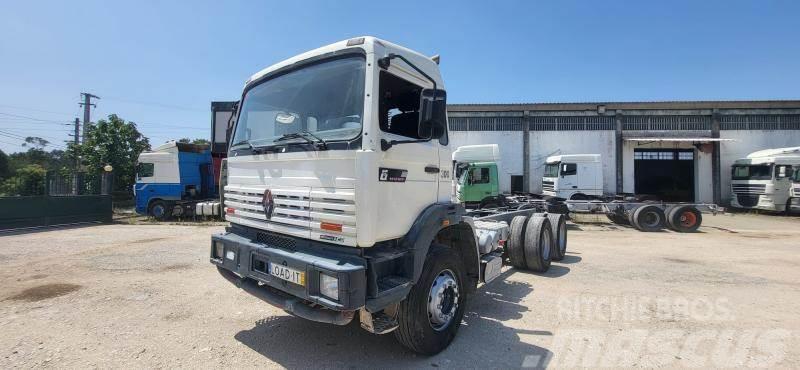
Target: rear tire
558 223
516 242
419 330
538 244
648 218
684 219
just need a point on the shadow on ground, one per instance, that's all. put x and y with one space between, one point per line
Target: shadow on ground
483 340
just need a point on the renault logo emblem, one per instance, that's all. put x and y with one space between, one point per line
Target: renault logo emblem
268 203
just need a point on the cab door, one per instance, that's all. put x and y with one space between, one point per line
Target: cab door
568 176
408 172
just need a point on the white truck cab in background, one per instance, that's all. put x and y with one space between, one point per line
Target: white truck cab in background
765 180
573 176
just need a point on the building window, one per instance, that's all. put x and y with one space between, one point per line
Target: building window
685 156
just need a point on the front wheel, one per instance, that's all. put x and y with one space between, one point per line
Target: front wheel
431 314
160 210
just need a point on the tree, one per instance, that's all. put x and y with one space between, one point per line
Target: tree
5 171
36 142
198 141
28 180
117 143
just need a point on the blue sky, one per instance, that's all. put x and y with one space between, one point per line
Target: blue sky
161 63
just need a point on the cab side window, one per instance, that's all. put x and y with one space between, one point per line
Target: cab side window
145 170
783 171
399 105
480 175
568 169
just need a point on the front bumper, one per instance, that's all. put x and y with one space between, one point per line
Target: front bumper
247 268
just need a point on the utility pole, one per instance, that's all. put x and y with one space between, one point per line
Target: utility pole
87 104
76 137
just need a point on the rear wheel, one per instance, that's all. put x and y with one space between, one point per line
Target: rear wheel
538 244
559 225
431 314
516 242
684 219
648 218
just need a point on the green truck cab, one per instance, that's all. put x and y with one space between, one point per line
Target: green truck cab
477 181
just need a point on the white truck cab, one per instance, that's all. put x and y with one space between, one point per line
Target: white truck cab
573 176
338 189
765 179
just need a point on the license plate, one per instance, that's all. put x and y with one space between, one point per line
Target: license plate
287 273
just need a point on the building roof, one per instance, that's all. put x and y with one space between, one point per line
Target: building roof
611 106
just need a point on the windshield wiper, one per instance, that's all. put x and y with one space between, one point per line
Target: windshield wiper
317 141
253 148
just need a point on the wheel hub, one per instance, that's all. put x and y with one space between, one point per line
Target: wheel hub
546 245
651 219
443 300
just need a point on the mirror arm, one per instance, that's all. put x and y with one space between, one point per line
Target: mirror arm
385 145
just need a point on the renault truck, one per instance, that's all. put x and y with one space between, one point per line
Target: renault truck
338 189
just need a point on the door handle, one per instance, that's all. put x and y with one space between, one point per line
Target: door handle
574 187
431 169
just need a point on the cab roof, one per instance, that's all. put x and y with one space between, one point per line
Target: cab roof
371 46
573 158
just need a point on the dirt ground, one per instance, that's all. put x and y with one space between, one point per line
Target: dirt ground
145 296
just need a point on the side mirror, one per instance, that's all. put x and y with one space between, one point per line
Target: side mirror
432 118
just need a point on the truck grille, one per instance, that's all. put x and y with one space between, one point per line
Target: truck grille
298 211
748 188
548 185
746 200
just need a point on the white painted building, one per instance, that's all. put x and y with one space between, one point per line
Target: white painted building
680 150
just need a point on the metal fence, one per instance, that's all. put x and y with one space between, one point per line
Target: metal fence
55 198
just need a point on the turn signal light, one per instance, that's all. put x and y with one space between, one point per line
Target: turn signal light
330 226
230 210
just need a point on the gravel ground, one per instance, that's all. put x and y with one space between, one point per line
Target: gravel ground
145 296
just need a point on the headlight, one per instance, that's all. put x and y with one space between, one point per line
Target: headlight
329 286
219 249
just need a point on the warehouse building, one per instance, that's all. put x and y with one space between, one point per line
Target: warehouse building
646 147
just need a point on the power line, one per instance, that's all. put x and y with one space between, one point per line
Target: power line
31 109
12 135
31 118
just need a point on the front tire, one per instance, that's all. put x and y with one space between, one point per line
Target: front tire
431 314
159 210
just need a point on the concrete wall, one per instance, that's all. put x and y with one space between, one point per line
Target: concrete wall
510 143
748 141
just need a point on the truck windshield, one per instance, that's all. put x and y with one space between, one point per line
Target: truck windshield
325 99
757 172
551 169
